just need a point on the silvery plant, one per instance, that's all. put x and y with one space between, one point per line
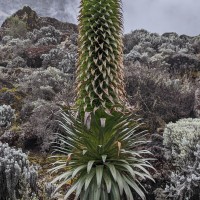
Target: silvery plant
7 115
17 177
182 146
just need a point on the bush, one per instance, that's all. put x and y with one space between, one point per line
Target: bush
48 83
13 48
17 62
159 98
182 148
6 115
6 39
17 177
41 126
45 36
60 58
181 138
17 27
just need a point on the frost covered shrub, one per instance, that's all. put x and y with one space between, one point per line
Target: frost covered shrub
46 93
67 64
181 139
182 148
50 84
60 58
185 184
17 177
161 50
48 81
13 48
45 36
134 38
17 62
52 58
133 55
7 115
74 38
6 38
47 41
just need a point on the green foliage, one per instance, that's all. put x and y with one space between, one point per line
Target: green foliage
99 147
100 69
101 157
17 27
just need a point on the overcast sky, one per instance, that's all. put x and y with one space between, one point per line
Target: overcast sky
181 16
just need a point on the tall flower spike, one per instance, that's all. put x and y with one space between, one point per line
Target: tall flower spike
100 67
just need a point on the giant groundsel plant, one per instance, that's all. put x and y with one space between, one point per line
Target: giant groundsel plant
98 150
100 69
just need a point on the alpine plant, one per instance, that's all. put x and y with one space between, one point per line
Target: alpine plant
99 151
100 69
104 161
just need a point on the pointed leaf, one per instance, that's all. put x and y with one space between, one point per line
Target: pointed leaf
89 165
99 174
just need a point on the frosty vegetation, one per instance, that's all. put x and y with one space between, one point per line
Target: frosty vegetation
7 115
18 178
182 147
37 78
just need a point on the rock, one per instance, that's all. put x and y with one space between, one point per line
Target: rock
3 64
65 27
33 21
33 55
27 15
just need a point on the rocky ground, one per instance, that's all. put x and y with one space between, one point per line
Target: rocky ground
37 76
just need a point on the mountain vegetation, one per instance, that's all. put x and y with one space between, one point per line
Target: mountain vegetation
152 81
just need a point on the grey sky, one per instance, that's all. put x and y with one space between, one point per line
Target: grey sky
181 16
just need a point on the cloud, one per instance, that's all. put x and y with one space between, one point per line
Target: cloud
3 14
181 16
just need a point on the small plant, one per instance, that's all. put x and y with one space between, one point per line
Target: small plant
182 147
185 182
17 27
45 36
181 138
17 177
7 115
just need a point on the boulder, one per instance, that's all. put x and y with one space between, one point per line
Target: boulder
33 55
33 21
27 15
